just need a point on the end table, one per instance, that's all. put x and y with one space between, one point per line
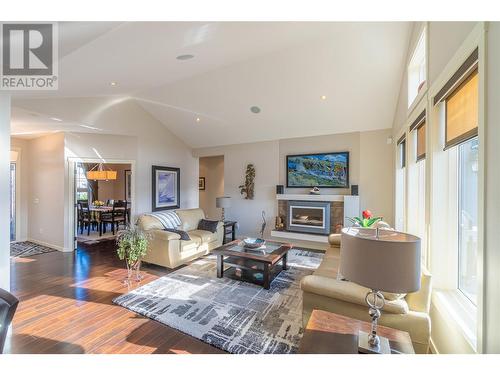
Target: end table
329 333
229 228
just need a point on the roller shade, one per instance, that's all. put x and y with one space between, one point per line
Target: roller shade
421 141
462 112
419 126
469 65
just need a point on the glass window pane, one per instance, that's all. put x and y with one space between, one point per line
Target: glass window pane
468 215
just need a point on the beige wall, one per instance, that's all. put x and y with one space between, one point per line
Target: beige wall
264 156
46 198
212 168
369 167
376 175
23 186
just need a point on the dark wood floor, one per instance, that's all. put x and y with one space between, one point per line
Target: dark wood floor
66 307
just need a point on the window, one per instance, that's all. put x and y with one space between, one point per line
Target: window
461 101
402 152
82 188
417 69
416 183
467 218
401 184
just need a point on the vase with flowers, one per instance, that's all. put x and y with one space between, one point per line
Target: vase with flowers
367 221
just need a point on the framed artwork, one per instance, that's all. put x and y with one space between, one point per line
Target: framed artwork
326 170
201 183
128 185
166 188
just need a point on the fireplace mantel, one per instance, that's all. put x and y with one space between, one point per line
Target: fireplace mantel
312 197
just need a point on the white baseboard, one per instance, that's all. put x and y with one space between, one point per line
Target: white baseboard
52 246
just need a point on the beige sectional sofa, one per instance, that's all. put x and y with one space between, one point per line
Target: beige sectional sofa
323 291
168 250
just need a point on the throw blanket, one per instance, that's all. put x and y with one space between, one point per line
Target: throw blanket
169 219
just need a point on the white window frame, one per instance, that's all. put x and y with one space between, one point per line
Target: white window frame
422 42
446 296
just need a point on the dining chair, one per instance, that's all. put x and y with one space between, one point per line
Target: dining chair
84 217
8 306
117 216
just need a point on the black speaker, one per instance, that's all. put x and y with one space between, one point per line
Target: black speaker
354 190
280 189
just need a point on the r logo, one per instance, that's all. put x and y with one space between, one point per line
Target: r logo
27 49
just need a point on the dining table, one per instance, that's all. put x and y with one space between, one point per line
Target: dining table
97 211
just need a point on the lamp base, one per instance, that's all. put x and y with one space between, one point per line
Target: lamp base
364 346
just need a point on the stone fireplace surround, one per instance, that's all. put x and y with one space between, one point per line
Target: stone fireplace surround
341 207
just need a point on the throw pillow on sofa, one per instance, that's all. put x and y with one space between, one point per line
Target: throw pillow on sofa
184 235
208 225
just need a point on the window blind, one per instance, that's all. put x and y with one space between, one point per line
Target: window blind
462 112
419 126
421 141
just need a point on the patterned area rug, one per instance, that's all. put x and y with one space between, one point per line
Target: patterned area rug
234 316
27 249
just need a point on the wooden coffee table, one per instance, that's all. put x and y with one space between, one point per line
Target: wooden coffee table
258 266
329 333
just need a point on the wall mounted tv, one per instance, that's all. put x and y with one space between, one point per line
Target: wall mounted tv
327 170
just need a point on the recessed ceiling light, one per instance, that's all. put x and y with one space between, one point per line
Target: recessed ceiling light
56 119
113 83
198 119
184 57
255 109
323 97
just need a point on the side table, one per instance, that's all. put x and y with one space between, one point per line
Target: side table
229 229
329 333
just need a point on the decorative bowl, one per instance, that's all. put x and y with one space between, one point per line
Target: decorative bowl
253 243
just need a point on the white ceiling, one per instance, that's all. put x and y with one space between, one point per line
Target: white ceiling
284 68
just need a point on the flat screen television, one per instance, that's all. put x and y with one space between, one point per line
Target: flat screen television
327 170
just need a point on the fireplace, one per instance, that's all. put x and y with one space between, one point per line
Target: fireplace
308 217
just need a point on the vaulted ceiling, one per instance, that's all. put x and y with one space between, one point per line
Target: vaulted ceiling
307 78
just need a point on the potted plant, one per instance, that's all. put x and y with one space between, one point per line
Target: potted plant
367 221
132 247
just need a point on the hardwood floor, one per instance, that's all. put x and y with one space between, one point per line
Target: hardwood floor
66 307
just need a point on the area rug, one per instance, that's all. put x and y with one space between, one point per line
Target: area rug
232 315
27 249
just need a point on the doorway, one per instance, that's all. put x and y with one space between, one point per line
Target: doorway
211 185
102 195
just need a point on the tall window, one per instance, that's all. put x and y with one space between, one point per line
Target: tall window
461 97
401 184
417 69
467 218
416 183
82 188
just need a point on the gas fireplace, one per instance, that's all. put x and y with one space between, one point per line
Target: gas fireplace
308 217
